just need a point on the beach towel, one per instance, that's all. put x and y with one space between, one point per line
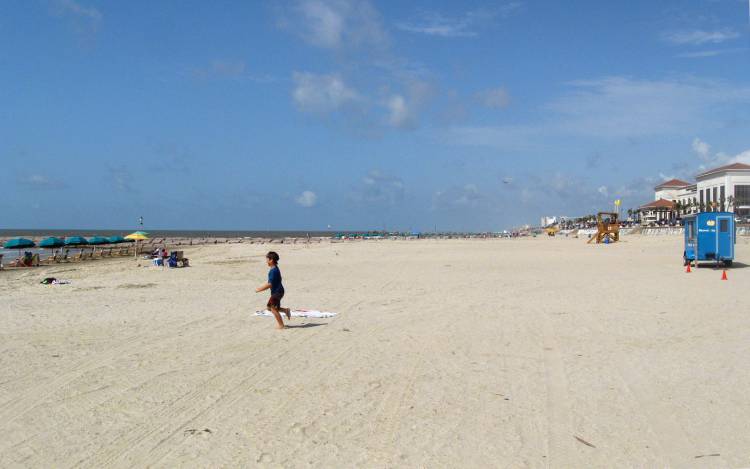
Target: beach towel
54 281
301 313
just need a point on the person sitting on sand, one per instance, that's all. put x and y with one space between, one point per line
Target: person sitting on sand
277 289
26 261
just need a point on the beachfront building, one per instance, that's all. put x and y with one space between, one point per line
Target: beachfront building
658 212
726 188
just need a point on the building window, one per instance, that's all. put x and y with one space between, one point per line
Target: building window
715 199
722 197
700 194
742 199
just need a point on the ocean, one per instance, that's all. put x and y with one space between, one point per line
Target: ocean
61 233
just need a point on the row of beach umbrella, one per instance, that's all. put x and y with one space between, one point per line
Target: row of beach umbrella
74 241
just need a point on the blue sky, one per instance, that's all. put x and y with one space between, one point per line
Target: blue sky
360 115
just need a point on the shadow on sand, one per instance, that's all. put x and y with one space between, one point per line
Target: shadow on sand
711 265
302 326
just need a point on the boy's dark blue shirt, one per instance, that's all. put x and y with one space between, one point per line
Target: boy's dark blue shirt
274 278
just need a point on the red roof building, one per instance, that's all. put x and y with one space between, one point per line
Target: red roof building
729 167
672 184
659 204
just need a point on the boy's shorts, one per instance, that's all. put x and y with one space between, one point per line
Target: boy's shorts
275 301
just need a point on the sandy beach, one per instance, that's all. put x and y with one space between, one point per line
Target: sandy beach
543 352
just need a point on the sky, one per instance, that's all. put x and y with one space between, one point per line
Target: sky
356 114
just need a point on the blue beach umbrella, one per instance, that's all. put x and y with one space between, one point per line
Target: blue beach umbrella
76 241
52 243
97 240
19 243
117 240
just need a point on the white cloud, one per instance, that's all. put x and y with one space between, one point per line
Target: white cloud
75 8
322 93
466 25
615 108
458 197
709 160
708 53
379 188
743 157
507 137
307 199
40 182
437 25
702 148
603 191
495 98
227 69
623 107
399 114
335 24
698 37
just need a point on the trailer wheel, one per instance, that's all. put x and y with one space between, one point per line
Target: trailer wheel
727 263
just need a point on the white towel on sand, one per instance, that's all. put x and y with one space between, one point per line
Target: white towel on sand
301 313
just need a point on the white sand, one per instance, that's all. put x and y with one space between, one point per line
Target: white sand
444 354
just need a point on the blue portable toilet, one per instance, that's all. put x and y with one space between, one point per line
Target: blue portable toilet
709 236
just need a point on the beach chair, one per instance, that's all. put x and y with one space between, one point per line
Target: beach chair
180 259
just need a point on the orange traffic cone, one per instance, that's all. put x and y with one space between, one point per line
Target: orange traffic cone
687 270
724 275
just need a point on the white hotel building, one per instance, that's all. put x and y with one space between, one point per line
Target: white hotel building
724 188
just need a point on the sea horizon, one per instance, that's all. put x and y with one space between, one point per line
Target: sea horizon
161 233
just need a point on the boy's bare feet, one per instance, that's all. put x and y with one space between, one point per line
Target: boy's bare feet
280 327
288 313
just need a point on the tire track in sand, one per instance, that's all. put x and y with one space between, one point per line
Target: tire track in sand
188 407
31 398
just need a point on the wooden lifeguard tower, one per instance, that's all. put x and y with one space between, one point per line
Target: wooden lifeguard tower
607 228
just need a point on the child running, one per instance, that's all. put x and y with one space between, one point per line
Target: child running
277 289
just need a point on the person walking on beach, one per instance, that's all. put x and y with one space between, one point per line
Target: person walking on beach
277 289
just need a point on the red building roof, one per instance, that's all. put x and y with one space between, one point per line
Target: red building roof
729 167
661 203
672 183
